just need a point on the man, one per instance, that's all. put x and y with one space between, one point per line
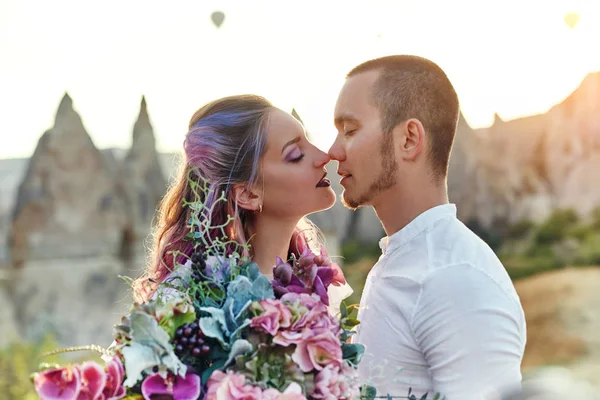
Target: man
439 313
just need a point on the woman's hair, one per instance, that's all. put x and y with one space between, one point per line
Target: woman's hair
224 146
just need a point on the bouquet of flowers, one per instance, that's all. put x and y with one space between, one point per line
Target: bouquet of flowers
218 329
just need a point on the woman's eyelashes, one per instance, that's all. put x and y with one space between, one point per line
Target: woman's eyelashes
294 156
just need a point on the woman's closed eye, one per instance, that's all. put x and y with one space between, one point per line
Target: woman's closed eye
294 156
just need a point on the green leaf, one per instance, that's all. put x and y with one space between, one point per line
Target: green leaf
352 352
346 334
137 359
252 271
182 319
436 397
262 289
350 322
343 310
352 307
145 331
240 290
368 392
215 326
219 364
424 397
239 347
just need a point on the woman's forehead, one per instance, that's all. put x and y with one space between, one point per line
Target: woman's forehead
282 128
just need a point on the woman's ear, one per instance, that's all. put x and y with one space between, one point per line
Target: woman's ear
247 198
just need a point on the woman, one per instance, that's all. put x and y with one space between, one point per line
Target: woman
270 174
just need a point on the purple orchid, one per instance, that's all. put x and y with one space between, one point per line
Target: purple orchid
178 388
309 274
58 383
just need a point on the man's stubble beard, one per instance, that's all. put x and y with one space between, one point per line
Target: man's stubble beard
386 179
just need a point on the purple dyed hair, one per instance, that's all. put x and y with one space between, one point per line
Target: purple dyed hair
224 144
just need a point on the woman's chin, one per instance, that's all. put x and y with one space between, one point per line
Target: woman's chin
326 202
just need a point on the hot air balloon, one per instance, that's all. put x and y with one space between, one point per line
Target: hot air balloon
571 19
217 18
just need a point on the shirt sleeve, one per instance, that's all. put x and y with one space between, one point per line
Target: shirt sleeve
470 331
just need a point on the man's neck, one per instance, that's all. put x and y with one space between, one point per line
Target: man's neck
271 239
397 207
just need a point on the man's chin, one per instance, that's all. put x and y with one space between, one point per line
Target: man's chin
350 202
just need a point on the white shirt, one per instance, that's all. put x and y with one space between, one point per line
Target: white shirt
439 313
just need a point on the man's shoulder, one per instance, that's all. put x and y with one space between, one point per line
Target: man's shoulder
454 243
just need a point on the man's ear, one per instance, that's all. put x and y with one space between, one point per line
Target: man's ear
246 198
411 136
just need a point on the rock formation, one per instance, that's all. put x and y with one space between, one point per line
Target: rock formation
462 169
525 168
142 180
68 203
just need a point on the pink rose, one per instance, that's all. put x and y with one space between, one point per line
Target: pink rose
309 301
292 392
273 316
317 349
333 383
300 304
286 338
319 318
231 386
309 311
58 383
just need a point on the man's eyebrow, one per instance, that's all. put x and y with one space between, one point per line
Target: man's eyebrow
340 119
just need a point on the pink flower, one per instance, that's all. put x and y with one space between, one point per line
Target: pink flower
286 338
317 349
231 386
178 388
333 383
323 260
292 392
88 381
93 379
309 311
273 316
309 301
114 390
319 318
58 383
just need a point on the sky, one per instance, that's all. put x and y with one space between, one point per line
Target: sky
510 57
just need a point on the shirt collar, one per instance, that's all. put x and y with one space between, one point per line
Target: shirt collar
423 221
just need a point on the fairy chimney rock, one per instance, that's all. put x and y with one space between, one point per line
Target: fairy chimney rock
67 203
144 182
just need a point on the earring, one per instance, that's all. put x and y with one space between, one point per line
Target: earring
260 208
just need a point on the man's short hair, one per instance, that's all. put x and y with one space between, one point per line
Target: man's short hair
414 87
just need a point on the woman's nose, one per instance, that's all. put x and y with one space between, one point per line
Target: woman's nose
322 159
